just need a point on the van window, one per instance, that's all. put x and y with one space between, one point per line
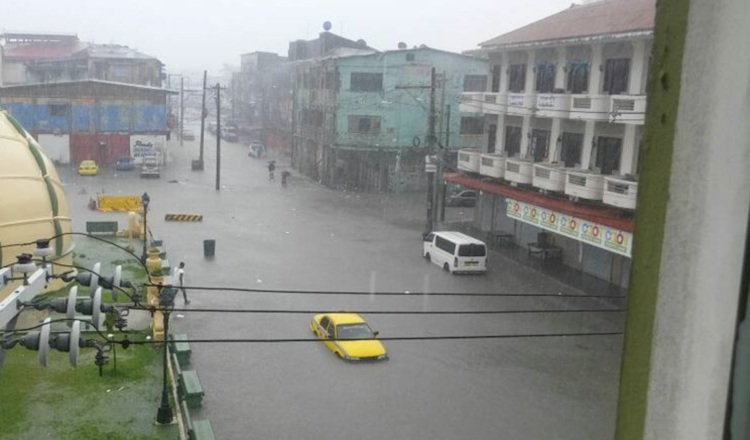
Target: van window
447 246
472 250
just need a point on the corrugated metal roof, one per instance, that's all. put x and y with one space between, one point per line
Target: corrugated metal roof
44 51
606 17
88 81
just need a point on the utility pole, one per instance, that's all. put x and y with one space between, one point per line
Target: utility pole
182 107
441 163
431 140
294 123
204 114
218 136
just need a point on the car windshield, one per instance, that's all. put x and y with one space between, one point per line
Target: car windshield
354 331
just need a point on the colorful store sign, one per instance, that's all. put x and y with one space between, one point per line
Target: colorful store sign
595 234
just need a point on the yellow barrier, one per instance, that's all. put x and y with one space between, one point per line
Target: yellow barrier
118 203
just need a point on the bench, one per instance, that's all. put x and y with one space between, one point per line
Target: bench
181 347
499 237
102 228
198 429
545 251
189 386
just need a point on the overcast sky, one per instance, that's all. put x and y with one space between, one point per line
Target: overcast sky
192 35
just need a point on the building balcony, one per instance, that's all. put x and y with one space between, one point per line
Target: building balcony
492 165
584 184
549 176
521 104
628 109
468 160
495 103
482 102
621 191
519 171
553 105
590 107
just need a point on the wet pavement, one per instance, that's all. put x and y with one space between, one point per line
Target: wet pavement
309 237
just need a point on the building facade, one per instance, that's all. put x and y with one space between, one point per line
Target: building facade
564 109
363 116
90 119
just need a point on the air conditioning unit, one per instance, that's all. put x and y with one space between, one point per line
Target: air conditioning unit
549 176
468 160
584 184
492 165
621 191
519 171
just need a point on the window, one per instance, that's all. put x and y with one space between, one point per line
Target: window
366 82
545 77
331 330
539 144
475 83
616 76
516 78
608 154
364 124
472 250
324 322
58 110
355 331
491 138
409 57
512 140
578 77
496 72
472 125
331 81
570 152
445 245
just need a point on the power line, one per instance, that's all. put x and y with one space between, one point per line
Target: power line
535 109
381 312
405 293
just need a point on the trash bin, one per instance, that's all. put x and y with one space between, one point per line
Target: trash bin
209 248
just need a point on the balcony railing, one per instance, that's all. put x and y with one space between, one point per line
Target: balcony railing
521 104
628 109
590 107
519 171
553 105
584 184
549 177
621 191
492 165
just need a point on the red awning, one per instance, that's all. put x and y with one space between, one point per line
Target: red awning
611 217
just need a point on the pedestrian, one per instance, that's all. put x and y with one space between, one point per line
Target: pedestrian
179 275
271 168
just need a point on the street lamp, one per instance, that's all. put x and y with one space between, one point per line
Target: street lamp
166 303
145 199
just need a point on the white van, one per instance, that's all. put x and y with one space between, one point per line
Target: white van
455 252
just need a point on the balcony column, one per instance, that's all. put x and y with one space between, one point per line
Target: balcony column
629 156
525 136
588 144
595 73
500 134
554 145
504 74
638 66
560 68
530 65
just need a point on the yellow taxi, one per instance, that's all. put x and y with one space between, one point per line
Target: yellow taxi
349 336
88 168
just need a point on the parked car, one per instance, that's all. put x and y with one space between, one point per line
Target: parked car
353 339
455 252
211 128
188 135
467 198
125 163
88 168
229 134
150 167
257 150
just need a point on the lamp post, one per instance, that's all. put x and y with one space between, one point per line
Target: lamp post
145 199
166 303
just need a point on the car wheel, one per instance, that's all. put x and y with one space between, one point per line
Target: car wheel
446 267
427 257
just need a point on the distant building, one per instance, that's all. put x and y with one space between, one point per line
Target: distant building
362 116
91 119
42 58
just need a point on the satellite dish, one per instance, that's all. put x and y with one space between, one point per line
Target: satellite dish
402 45
327 26
362 42
423 46
97 308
